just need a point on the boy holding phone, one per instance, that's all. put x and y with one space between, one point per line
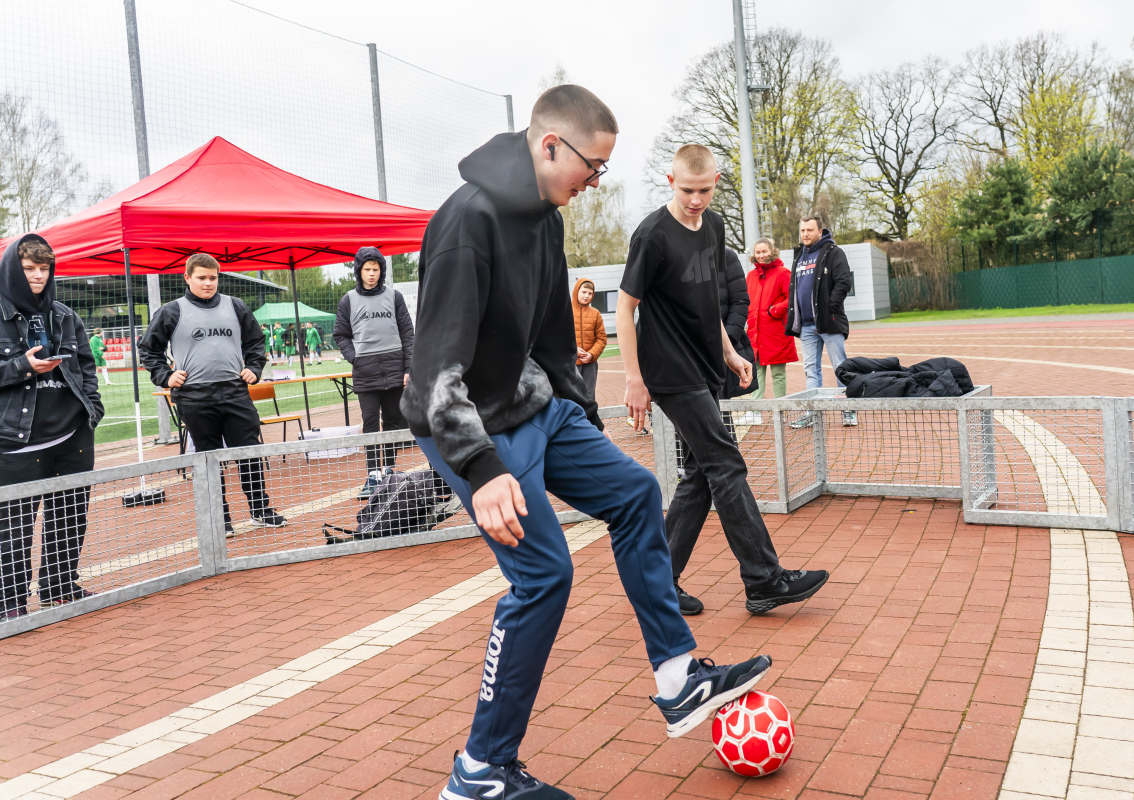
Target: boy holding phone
49 390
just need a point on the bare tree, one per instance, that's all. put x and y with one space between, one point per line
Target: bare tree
43 178
1120 106
558 77
805 120
905 122
986 84
594 227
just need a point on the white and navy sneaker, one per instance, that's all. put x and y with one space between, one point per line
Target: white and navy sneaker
510 782
368 487
707 688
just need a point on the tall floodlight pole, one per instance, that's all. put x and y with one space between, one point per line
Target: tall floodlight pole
379 142
142 145
744 121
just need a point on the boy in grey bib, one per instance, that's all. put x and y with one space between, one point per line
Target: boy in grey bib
374 332
218 350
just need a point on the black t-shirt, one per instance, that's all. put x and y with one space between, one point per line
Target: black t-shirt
673 272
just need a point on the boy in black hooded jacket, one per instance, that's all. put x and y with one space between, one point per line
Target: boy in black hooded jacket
499 409
49 408
374 332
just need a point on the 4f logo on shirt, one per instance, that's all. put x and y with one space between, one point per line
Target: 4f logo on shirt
201 333
491 661
700 267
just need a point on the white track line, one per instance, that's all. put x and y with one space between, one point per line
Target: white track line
1076 737
96 765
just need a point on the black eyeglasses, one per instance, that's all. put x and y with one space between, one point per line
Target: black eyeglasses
598 171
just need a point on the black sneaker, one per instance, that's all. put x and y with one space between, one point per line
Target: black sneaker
707 688
509 782
794 587
268 518
368 487
78 594
229 531
690 605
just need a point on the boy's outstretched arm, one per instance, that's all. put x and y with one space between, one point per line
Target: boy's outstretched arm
451 304
637 395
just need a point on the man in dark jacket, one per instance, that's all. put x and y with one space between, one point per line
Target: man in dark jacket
374 332
820 281
49 407
218 349
499 409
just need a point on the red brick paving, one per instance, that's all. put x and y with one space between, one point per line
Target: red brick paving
906 673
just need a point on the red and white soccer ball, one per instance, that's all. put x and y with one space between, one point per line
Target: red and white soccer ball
754 734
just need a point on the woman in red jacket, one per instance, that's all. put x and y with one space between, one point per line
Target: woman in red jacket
768 302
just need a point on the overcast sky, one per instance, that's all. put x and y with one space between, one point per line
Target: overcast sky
634 54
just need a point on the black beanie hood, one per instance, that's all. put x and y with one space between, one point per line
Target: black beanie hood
363 255
14 284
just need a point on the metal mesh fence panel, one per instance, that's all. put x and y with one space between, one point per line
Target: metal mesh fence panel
1040 460
65 545
894 448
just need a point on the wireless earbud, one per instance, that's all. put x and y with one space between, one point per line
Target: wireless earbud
551 148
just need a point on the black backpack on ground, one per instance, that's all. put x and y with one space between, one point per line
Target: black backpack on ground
401 503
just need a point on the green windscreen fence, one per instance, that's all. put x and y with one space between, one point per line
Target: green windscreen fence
1062 283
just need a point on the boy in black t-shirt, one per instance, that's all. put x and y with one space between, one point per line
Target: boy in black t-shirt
677 355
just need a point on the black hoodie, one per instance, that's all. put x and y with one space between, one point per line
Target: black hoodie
38 408
495 329
375 371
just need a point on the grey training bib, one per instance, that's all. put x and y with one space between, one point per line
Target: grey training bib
372 323
206 342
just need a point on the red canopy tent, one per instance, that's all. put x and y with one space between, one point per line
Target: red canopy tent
245 212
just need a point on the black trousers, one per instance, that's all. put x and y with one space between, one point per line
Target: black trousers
64 522
589 374
715 472
381 412
235 423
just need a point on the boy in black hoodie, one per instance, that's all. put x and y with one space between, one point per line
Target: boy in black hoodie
374 332
218 349
499 409
49 407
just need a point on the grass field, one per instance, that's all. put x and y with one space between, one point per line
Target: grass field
118 399
994 313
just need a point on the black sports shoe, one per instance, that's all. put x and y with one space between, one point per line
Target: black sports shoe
268 518
690 605
794 587
229 531
509 782
707 688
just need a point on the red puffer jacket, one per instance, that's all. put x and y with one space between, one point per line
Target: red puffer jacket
767 307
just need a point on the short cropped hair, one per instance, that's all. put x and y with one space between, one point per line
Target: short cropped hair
695 158
37 252
202 260
574 107
771 246
812 216
587 283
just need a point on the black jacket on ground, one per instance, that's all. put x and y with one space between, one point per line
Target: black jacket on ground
495 328
832 284
886 377
734 315
152 349
380 370
17 378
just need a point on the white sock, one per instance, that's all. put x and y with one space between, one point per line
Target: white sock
471 764
671 676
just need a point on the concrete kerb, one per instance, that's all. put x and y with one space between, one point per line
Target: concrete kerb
976 448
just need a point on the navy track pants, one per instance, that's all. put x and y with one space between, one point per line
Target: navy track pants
559 451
